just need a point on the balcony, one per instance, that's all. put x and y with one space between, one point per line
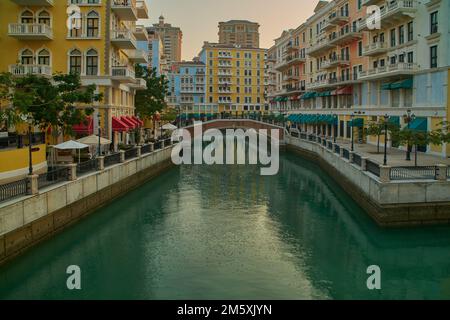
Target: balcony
139 84
140 33
394 12
142 10
125 9
123 39
333 82
123 74
290 77
338 17
375 49
393 70
225 56
30 69
223 101
370 2
137 56
225 74
320 47
335 62
346 35
30 31
327 26
225 91
46 3
225 65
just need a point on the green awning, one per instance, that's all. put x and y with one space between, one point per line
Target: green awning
404 84
395 120
386 86
309 95
357 123
324 94
419 124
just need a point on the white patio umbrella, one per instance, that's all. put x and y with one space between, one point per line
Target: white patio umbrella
169 127
72 145
93 140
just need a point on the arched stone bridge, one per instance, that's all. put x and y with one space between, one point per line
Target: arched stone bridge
239 124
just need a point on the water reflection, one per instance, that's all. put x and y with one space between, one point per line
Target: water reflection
227 232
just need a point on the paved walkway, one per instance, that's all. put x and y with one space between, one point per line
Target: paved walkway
396 157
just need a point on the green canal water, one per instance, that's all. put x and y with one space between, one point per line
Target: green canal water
225 232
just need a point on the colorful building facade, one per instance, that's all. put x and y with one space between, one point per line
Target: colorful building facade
365 59
96 39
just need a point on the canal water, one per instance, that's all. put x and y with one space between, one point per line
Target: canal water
225 232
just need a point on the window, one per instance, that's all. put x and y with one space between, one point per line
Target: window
44 18
393 40
360 48
434 22
410 31
26 57
91 63
75 62
44 57
27 17
411 57
92 24
401 34
433 57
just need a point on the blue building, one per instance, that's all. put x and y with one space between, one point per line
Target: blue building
187 89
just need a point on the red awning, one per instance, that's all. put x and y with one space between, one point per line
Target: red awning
136 123
128 122
118 125
141 123
346 90
86 128
334 92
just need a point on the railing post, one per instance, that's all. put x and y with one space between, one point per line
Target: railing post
122 156
162 144
33 185
152 147
101 163
138 151
441 172
72 174
351 155
364 163
385 174
341 152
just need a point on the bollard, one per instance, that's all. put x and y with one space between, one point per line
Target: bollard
364 163
72 171
385 174
101 163
350 158
122 156
138 151
441 172
33 185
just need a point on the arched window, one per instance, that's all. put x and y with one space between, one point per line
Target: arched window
26 57
44 57
92 63
27 17
44 18
92 24
75 62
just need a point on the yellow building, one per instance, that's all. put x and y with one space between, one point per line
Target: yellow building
234 77
94 38
101 46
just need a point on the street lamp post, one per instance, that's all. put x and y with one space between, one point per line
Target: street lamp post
352 133
30 150
409 117
334 127
386 119
99 135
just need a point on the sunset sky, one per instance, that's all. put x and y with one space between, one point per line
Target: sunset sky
198 19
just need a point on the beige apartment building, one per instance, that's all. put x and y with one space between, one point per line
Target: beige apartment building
239 32
171 37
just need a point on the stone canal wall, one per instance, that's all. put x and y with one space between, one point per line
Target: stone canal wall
29 220
390 204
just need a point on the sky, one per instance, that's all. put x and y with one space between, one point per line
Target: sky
199 19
